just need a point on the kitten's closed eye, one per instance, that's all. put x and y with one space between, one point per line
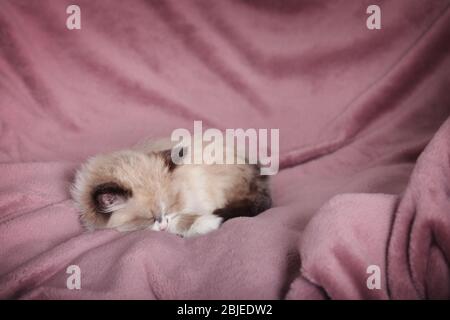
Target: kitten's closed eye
109 197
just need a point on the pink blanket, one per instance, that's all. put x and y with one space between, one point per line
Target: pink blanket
355 108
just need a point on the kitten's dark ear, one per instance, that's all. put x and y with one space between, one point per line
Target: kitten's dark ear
178 152
108 197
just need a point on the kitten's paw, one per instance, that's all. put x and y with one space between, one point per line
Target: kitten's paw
203 225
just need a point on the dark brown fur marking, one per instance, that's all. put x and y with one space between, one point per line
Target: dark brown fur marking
256 201
167 156
109 187
245 207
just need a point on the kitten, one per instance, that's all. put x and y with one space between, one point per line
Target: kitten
143 188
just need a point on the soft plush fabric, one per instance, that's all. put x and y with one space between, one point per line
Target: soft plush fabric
355 108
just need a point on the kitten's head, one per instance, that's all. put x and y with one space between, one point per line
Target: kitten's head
125 190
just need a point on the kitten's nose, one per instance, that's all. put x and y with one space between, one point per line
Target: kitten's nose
158 219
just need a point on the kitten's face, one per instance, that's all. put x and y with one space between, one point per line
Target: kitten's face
125 190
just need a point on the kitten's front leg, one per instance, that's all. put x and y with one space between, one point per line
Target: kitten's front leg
190 225
179 223
203 224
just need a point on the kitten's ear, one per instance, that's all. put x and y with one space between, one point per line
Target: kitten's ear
109 197
173 157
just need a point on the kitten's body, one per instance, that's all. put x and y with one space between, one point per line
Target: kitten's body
143 188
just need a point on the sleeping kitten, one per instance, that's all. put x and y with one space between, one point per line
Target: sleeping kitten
143 188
